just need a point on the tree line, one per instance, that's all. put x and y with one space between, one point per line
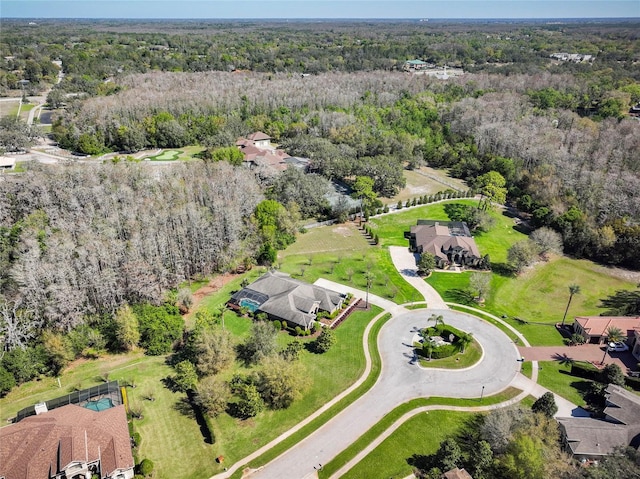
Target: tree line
96 51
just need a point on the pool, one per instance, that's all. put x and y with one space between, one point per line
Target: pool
250 304
99 405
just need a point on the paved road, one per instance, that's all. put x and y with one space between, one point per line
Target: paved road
400 381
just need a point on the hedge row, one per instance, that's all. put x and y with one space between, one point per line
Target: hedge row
585 370
589 371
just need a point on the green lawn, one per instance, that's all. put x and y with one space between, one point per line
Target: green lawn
379 455
329 374
342 254
555 376
376 365
471 355
390 459
514 296
391 228
167 155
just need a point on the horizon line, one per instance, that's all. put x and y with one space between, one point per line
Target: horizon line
418 19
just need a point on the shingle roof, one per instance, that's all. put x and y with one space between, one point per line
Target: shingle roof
33 446
622 405
282 296
593 437
435 237
598 325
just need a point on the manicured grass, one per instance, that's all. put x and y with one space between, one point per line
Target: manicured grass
376 365
527 369
170 435
342 254
471 355
390 458
521 296
555 376
329 374
369 436
541 293
416 306
167 155
489 319
391 228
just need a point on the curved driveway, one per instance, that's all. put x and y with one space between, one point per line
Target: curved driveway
401 380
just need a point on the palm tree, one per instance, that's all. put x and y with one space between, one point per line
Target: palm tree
439 319
613 335
464 340
573 289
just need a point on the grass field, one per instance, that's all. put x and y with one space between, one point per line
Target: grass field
390 459
379 455
555 376
376 365
342 254
513 296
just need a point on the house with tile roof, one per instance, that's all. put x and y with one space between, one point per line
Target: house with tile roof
70 442
287 299
259 152
587 438
594 329
449 241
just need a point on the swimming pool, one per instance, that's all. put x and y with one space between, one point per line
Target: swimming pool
250 304
99 405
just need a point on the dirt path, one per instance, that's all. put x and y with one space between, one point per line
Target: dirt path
211 287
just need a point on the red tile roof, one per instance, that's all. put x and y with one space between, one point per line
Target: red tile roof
598 325
53 440
258 136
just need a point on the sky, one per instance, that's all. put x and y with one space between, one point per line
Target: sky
418 9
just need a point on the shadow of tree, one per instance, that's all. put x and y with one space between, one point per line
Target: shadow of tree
563 359
183 406
423 462
502 269
461 296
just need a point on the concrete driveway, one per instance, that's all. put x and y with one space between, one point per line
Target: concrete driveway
401 380
405 262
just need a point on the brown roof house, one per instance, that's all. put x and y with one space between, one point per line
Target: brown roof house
283 298
449 241
258 151
594 328
70 442
588 438
457 474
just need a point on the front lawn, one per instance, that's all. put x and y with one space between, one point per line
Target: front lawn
342 254
556 377
329 374
391 458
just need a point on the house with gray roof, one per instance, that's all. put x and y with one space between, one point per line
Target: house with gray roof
592 439
449 241
287 299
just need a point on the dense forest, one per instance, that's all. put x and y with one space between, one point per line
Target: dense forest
77 242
